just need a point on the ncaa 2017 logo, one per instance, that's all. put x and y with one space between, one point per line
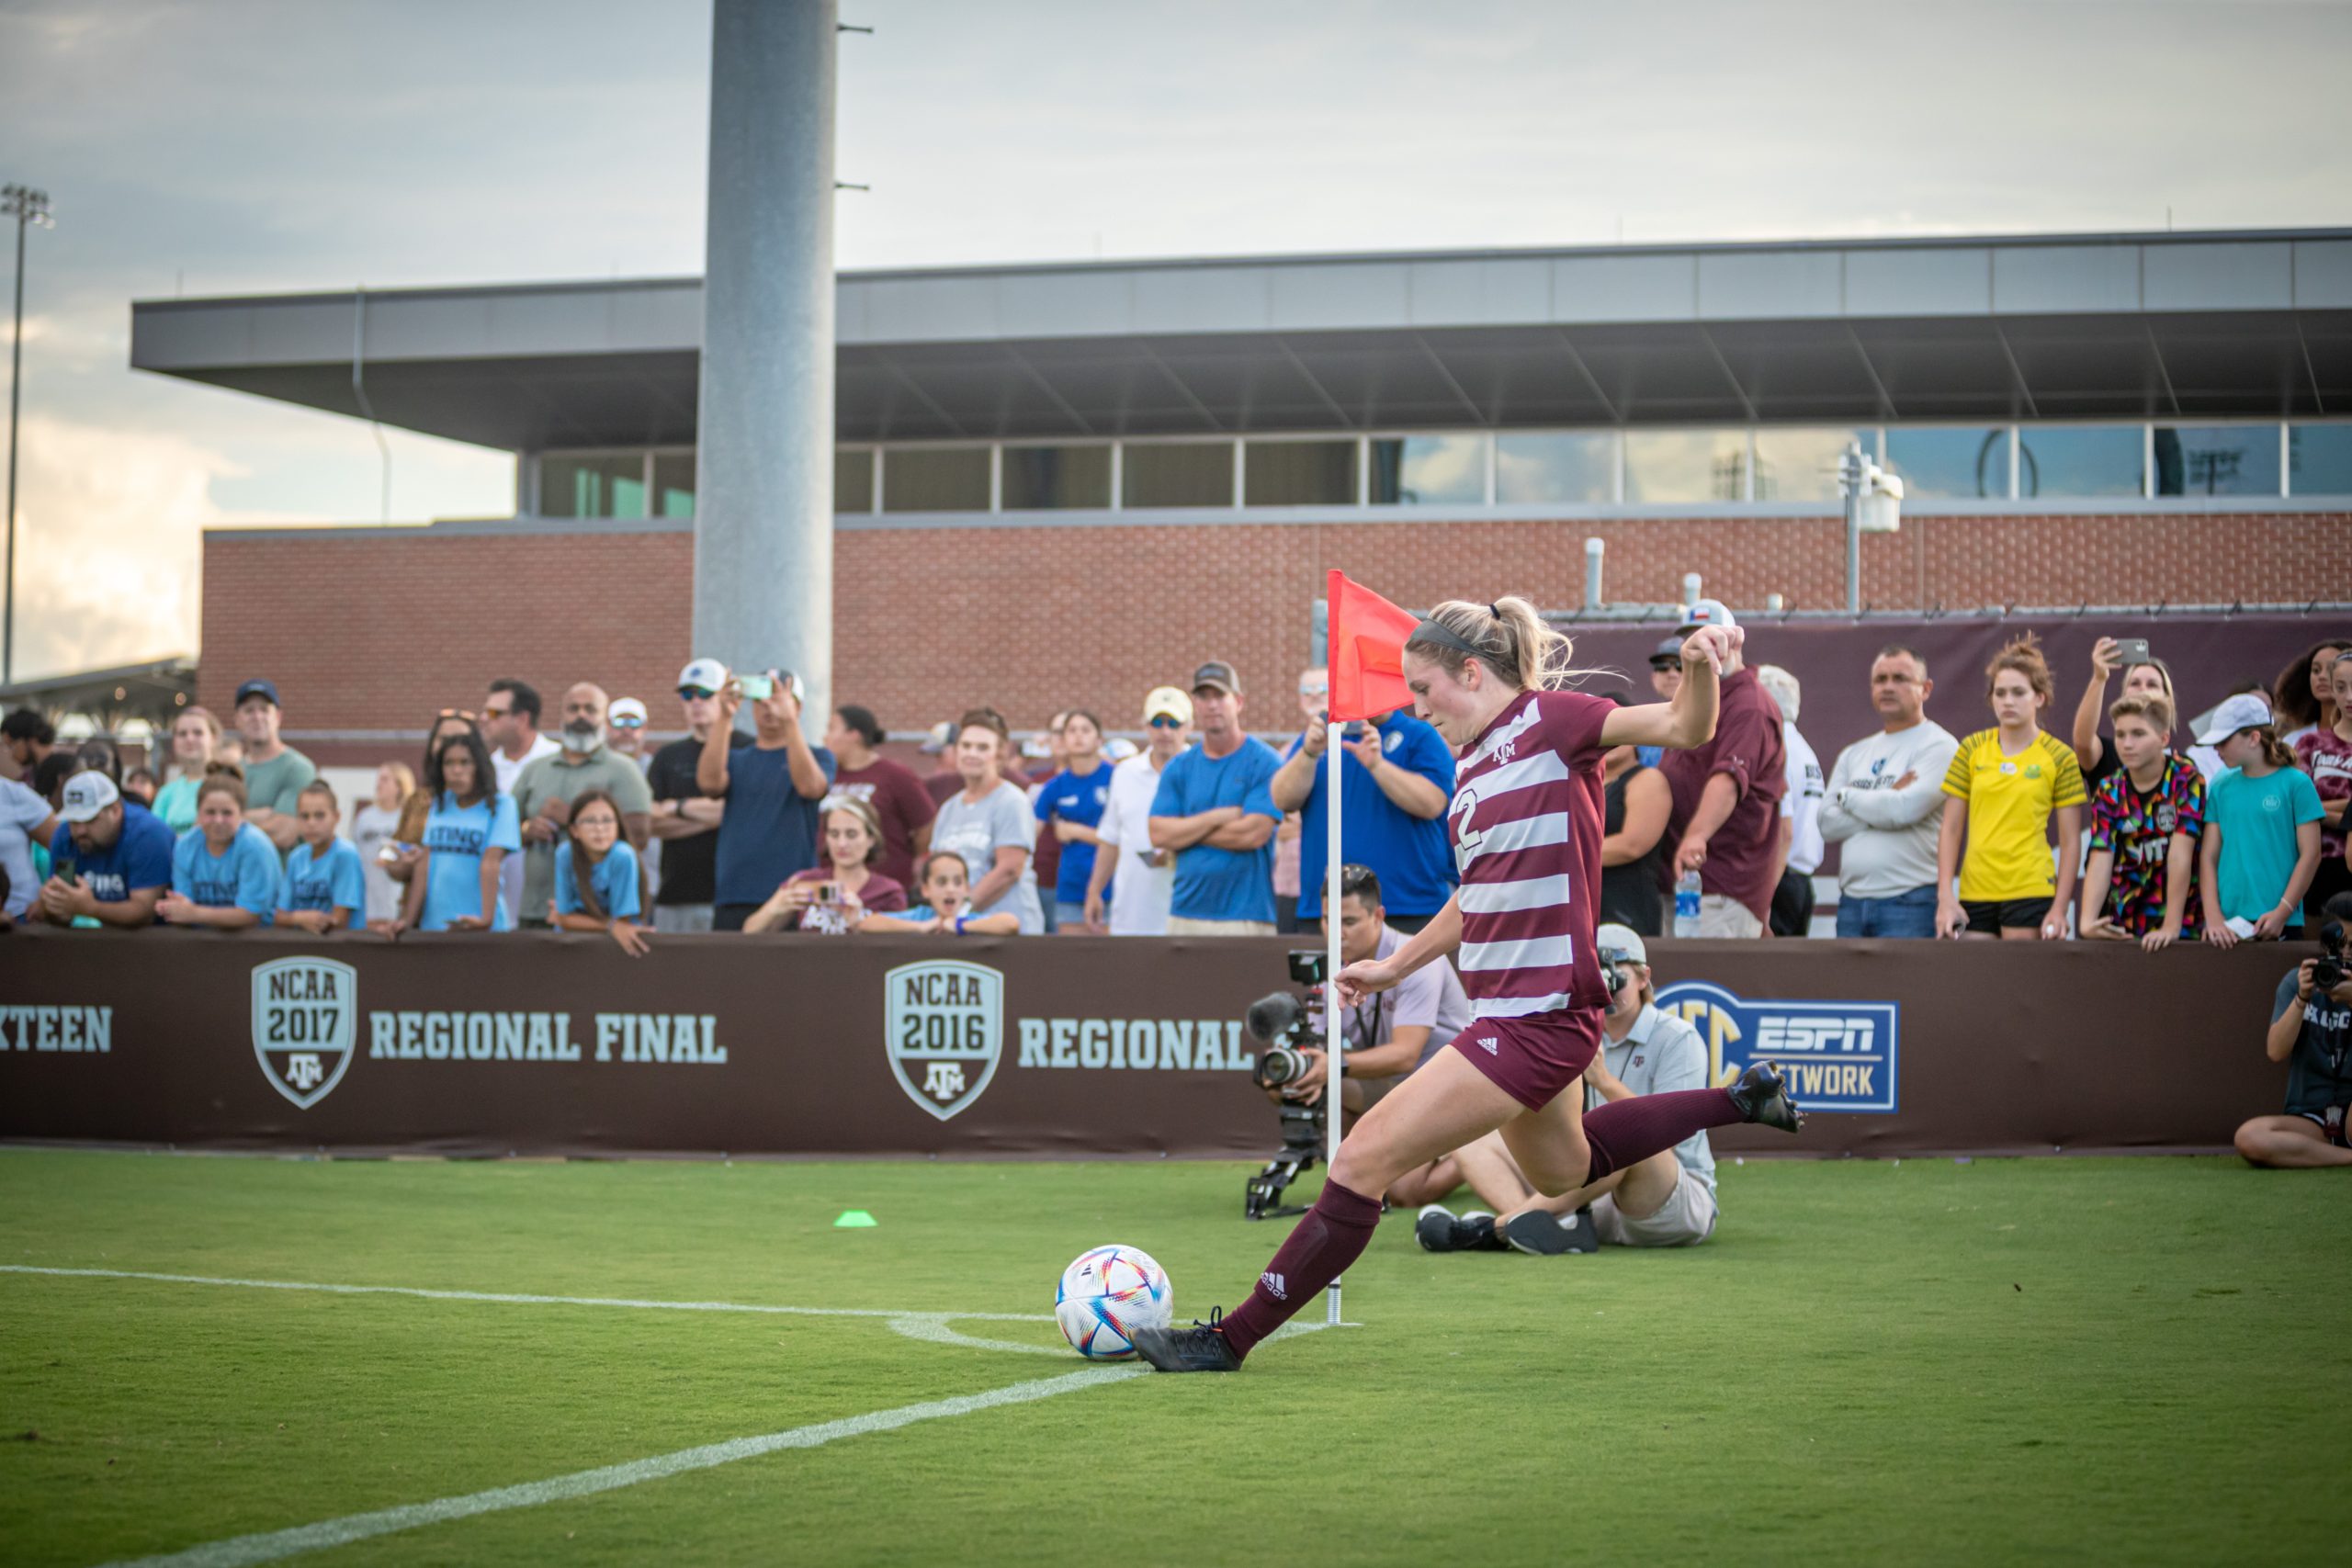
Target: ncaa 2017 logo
306 1016
1836 1056
944 1026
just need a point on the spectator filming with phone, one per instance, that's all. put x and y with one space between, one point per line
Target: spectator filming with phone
834 898
772 786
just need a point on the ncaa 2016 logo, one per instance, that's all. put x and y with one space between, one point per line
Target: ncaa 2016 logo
944 1026
306 1016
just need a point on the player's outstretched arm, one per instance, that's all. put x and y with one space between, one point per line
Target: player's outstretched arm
1689 720
1438 938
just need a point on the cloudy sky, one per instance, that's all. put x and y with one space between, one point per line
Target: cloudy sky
228 146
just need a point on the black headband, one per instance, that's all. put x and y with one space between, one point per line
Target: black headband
1447 636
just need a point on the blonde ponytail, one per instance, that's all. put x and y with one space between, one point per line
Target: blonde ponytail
1510 636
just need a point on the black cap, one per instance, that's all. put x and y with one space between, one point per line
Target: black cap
257 689
1217 673
1669 654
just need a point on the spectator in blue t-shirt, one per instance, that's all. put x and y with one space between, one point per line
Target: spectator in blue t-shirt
771 788
1395 780
325 886
469 833
596 875
1071 804
224 870
110 859
1215 813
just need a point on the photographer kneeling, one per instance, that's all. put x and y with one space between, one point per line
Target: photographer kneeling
1668 1200
1390 1033
2310 1028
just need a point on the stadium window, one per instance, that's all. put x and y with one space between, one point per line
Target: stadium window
1299 473
1176 473
1801 464
674 484
2319 460
1577 466
2216 459
1677 467
1429 470
853 478
599 484
2081 459
1950 462
1049 478
935 479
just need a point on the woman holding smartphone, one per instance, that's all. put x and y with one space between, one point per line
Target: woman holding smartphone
833 898
2144 675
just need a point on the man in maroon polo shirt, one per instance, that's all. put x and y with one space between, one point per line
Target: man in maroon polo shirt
1726 819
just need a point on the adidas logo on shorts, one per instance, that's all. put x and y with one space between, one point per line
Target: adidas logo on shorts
1488 1040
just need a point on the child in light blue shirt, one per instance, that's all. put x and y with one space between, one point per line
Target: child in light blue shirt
224 870
608 896
325 886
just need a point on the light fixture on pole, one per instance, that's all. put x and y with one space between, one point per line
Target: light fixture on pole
27 206
1873 505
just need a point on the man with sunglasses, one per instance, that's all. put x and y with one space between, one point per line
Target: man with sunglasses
686 821
1146 875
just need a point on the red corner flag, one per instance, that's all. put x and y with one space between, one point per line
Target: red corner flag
1367 640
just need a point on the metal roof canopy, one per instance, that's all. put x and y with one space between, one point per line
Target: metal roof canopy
2209 325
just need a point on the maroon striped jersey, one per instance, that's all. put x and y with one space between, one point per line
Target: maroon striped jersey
1526 822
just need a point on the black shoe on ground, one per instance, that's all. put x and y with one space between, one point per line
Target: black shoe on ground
1433 1228
1546 1235
1762 1096
1200 1348
1475 1232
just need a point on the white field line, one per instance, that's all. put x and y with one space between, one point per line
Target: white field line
270 1546
513 1299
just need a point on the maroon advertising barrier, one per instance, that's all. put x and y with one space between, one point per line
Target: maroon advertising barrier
554 1043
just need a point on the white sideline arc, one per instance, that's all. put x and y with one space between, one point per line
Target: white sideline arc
272 1545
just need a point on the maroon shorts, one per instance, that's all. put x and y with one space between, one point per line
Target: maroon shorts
1534 1058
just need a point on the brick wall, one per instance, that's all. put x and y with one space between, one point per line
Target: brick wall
377 630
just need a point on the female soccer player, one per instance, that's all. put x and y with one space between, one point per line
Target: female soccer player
1526 826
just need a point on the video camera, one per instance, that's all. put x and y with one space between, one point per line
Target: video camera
1280 1021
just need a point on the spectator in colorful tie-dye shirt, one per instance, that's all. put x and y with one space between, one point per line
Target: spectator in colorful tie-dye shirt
2145 818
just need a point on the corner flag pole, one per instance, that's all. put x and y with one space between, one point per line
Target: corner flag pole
1334 1039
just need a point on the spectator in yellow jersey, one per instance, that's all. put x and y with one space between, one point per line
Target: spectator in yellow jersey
2005 788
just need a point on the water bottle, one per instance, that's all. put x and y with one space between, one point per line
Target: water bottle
1686 905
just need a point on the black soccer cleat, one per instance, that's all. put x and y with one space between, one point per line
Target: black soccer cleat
1543 1234
1200 1348
1437 1229
1433 1228
1762 1096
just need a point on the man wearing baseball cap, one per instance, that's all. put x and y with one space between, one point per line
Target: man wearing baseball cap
1725 824
1146 874
1668 1200
686 821
110 859
275 771
624 730
1215 813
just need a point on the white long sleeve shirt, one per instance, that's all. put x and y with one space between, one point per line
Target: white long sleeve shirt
1889 833
1801 803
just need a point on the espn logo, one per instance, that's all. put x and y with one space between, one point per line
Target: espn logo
1836 1056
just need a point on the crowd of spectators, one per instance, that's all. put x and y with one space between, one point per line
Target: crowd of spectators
745 824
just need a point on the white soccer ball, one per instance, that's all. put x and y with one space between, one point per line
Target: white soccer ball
1107 1294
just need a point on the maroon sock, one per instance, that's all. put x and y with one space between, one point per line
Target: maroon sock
1329 1236
1625 1131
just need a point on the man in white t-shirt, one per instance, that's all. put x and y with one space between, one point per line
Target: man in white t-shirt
1800 809
1145 877
1884 805
510 723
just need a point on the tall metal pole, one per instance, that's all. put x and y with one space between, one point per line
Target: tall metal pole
16 380
1850 481
764 482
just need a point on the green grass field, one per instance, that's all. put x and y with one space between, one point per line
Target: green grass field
2095 1360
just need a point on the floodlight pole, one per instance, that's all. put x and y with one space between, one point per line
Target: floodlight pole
27 206
1852 479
